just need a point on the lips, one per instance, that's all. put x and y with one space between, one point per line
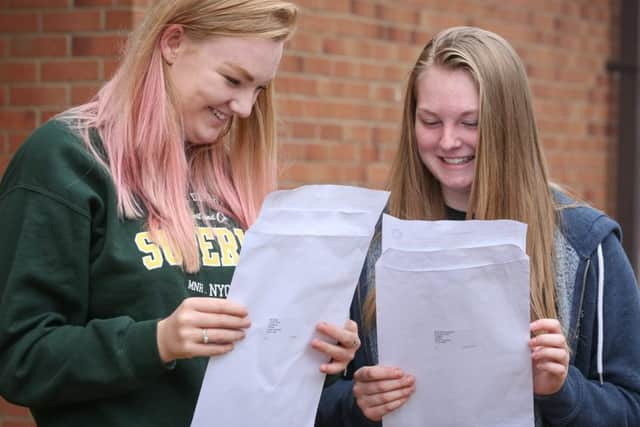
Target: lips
455 161
219 114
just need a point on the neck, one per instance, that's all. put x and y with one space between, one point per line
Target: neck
455 200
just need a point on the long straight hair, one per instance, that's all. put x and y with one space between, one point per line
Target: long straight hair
510 178
142 134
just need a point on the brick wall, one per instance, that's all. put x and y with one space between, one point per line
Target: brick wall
341 82
343 78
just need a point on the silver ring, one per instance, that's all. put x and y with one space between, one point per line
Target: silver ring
205 337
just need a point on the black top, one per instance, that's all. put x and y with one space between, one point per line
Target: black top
455 215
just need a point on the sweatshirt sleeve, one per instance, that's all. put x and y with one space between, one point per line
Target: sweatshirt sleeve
584 400
51 352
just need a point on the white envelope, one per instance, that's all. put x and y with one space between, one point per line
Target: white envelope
453 310
300 264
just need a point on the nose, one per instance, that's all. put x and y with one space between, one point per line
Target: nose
449 139
242 104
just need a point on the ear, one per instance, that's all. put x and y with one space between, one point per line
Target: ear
171 40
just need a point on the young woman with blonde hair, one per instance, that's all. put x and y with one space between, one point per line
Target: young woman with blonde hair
469 149
122 221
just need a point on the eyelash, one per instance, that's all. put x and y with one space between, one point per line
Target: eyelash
435 123
236 82
232 81
430 123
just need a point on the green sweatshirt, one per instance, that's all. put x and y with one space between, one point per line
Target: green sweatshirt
82 292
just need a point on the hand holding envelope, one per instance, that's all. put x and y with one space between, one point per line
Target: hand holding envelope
453 310
299 265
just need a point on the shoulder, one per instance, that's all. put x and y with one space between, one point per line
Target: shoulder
584 226
54 161
50 142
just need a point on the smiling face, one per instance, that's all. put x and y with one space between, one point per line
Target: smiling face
217 78
446 129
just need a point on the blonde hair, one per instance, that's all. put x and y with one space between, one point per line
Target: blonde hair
510 178
142 133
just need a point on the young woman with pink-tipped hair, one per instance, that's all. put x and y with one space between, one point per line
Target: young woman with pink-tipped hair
122 221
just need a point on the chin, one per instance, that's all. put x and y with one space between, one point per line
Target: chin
208 139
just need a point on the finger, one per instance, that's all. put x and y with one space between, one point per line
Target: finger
556 369
220 321
548 340
551 354
376 373
333 351
372 388
351 326
543 326
334 367
212 349
381 399
218 336
216 305
377 412
348 338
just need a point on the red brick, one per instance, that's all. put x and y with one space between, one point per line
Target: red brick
317 152
347 68
45 114
400 35
83 20
83 93
316 65
343 76
39 46
303 130
109 68
83 3
298 85
305 42
377 174
18 22
331 132
74 70
363 8
368 152
343 152
357 133
17 72
15 140
291 62
98 45
38 96
120 19
398 15
4 162
298 172
346 27
343 90
134 3
317 24
350 174
36 4
17 120
334 46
